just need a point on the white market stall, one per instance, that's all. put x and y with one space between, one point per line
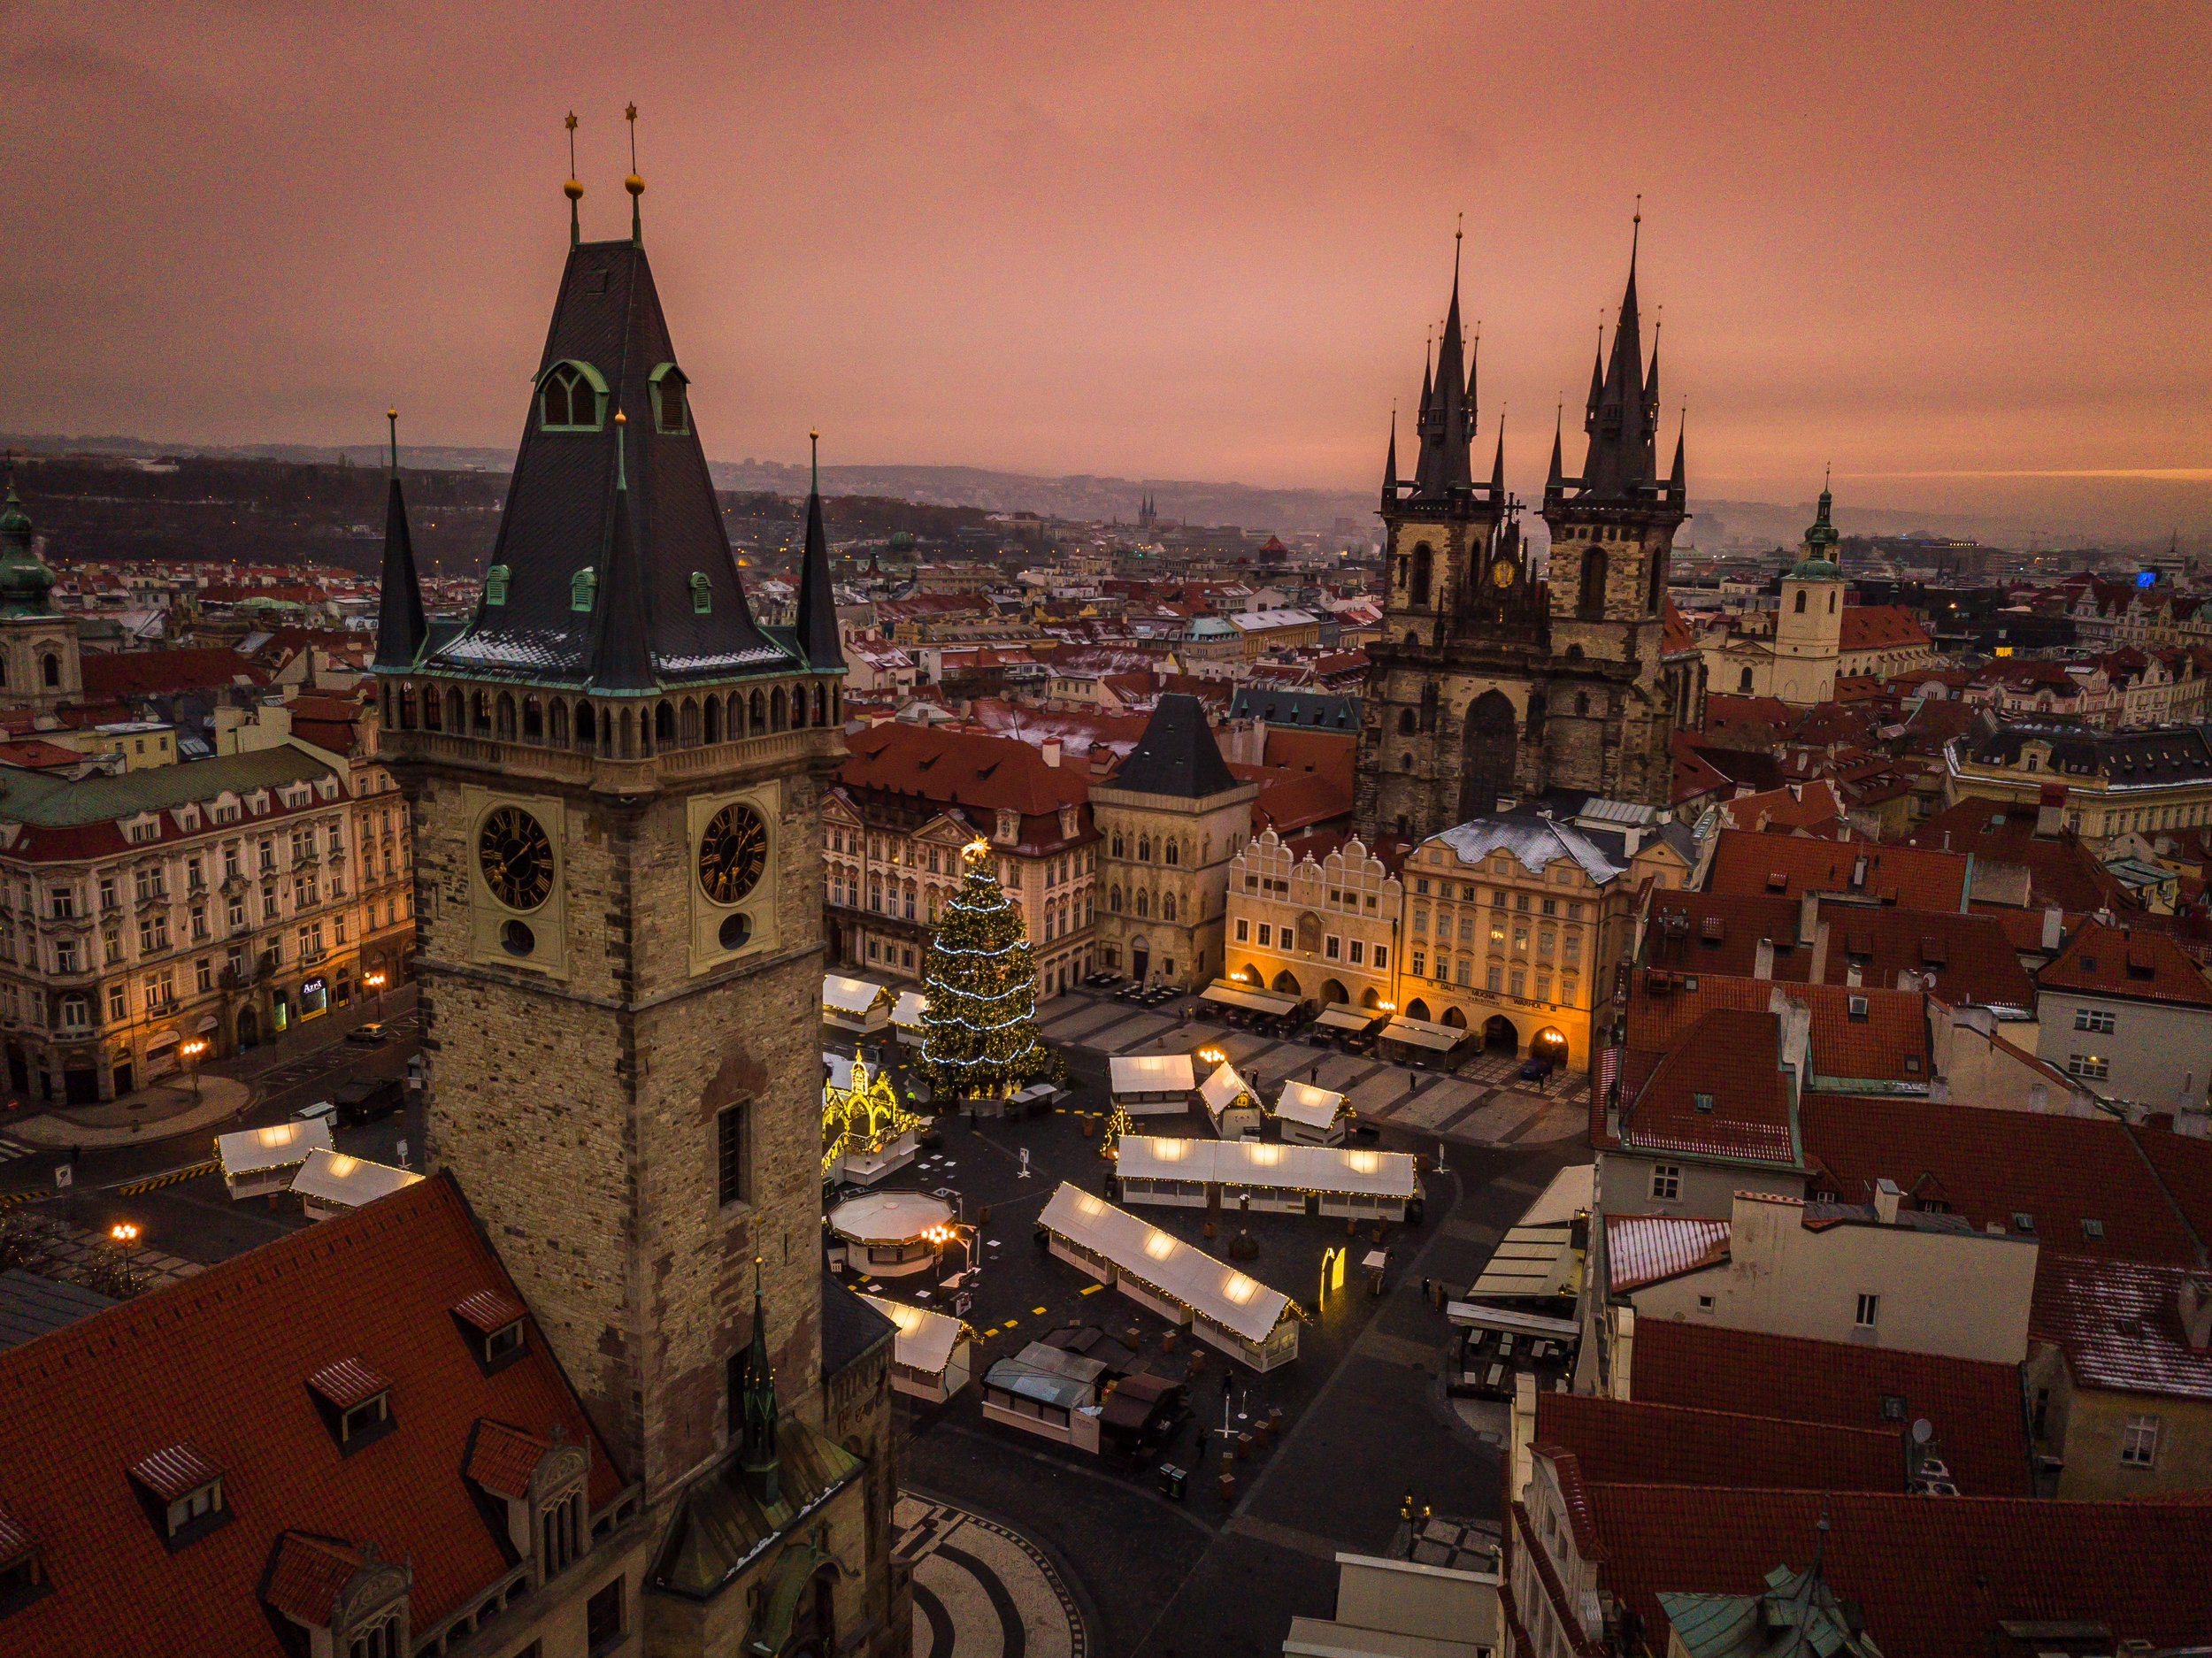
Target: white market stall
906 1015
1152 1084
330 1184
1419 1035
1360 1183
1062 1408
258 1160
934 1353
1310 1115
1226 992
892 1234
854 1005
1231 1105
1185 1285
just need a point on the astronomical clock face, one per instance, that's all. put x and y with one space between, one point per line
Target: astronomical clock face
1501 573
516 858
732 854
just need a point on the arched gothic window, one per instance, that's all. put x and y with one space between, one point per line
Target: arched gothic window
1405 722
1590 603
1167 907
1113 900
1142 907
1117 853
1173 853
1424 562
568 399
1800 602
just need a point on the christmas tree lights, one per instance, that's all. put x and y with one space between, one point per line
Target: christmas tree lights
862 1120
980 1030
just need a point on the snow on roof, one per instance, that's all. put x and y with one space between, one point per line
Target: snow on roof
1165 1263
851 996
1263 1162
1152 1073
1537 842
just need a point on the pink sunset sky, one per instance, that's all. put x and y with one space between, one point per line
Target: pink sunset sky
1959 251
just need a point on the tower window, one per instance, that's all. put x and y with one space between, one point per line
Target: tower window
1422 563
671 412
568 398
52 666
1800 602
1831 604
702 594
583 589
729 1154
1591 601
495 584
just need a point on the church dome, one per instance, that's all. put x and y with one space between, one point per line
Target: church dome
1818 563
24 582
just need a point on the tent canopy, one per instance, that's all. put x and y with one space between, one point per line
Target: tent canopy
852 995
926 1339
1152 1073
338 1178
1260 1163
279 1146
1302 1103
1220 1090
1231 994
1420 1033
1341 1015
1141 1251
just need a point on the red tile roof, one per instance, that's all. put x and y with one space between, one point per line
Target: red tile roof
218 1362
1619 1442
2061 870
1933 1577
504 1458
1962 958
1719 932
132 674
307 1575
1973 1405
1904 876
1881 627
175 1471
347 1383
959 768
1888 1043
1991 1166
2134 963
2119 1324
2185 1169
1718 1094
1642 1249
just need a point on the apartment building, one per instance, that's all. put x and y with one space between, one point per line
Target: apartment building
229 901
1317 918
905 802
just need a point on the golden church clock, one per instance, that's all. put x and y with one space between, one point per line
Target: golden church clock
516 858
732 854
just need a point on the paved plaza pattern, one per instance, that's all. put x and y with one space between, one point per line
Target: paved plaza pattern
981 1589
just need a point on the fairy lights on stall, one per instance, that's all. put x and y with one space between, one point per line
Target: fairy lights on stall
861 1120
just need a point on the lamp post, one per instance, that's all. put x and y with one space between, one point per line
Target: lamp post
124 1234
376 981
191 1050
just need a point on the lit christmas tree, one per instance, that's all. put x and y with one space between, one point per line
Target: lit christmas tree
980 1030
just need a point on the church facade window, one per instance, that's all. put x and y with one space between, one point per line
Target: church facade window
571 397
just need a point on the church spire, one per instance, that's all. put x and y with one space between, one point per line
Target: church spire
757 1457
817 631
634 184
625 657
1390 461
1497 465
1444 466
399 623
1474 370
574 189
1620 459
1554 482
1676 485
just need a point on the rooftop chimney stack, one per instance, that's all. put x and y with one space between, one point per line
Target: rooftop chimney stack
2050 812
2196 1313
2054 928
1763 959
1050 749
1886 1196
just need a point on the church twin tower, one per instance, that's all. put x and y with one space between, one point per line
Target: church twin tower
1495 677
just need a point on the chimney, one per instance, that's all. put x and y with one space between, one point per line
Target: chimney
2050 812
1630 839
1808 920
2196 1313
2054 927
1853 977
1858 873
1819 973
1886 1199
1763 959
1050 749
1623 1377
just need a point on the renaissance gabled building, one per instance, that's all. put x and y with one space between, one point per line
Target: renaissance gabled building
1502 673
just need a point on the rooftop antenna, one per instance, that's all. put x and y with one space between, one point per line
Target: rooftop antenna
634 184
574 189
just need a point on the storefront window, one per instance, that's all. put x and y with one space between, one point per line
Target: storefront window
314 998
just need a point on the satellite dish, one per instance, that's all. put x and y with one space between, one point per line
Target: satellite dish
1922 1431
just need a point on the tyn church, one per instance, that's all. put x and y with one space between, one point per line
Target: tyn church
1498 679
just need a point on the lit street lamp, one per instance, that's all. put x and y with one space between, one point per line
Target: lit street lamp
192 1049
376 981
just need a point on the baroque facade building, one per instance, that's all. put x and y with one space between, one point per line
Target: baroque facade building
1494 680
615 774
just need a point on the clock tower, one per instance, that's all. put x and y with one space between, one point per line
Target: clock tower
613 771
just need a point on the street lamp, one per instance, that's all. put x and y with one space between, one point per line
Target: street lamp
192 1049
375 982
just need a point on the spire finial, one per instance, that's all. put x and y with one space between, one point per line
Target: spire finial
1459 233
634 184
390 415
814 440
574 189
1636 230
621 447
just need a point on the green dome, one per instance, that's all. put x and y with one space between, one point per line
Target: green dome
24 582
900 540
1819 562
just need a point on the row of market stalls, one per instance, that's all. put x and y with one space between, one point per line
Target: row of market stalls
1399 1037
1356 1183
866 1010
1184 1284
1164 1085
298 1158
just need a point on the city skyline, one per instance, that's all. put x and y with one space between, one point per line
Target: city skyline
1137 244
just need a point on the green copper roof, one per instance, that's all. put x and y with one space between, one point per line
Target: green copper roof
24 582
1819 562
49 800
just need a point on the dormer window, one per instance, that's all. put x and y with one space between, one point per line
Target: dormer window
569 398
495 586
354 1402
702 594
182 1494
671 409
492 1323
583 589
22 1567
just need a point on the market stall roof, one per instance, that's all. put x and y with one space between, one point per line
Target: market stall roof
1231 994
1152 1073
1134 1399
926 1339
337 1178
852 995
1476 1316
1342 1015
1017 1378
279 1146
1569 1194
1302 1103
886 1218
1421 1034
908 1012
1531 1261
840 1067
1220 1090
1163 1262
1264 1162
